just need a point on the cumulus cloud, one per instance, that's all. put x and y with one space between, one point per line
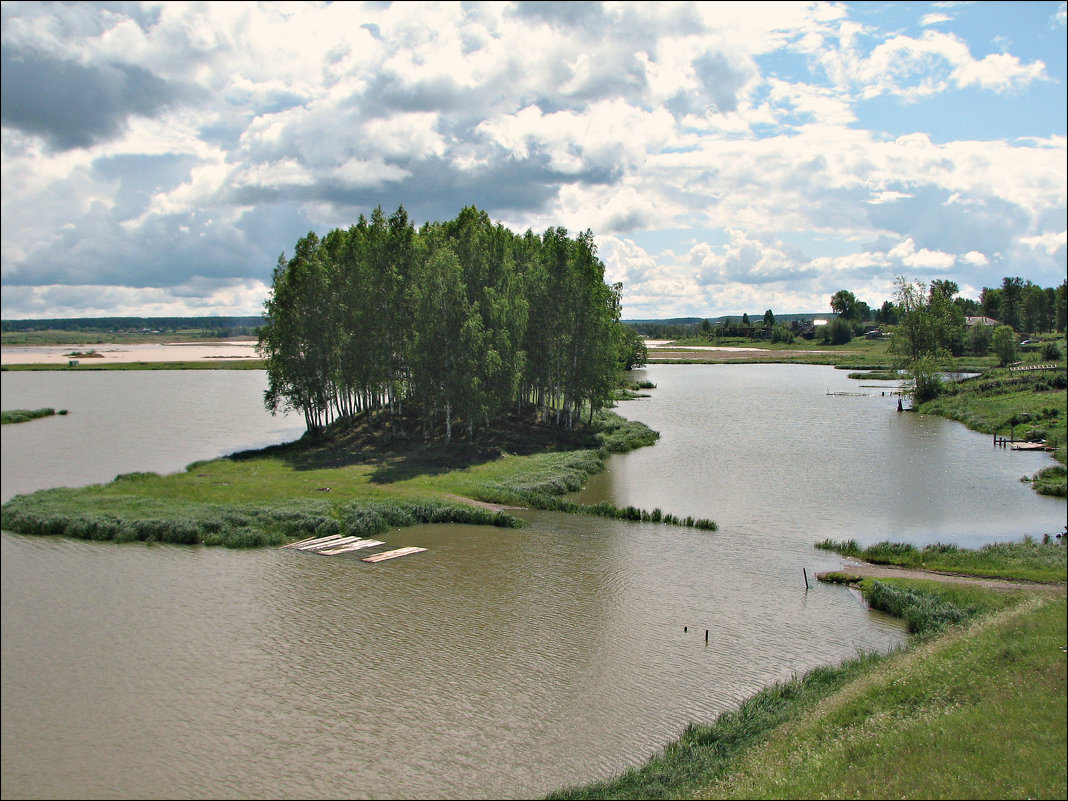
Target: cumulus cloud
76 105
160 150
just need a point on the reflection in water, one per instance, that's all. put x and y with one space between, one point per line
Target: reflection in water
499 663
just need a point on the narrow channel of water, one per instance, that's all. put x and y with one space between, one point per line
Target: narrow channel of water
768 453
498 664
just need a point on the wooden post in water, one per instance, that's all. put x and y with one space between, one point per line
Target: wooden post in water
706 636
805 574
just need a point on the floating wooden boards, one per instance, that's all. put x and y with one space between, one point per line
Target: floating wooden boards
352 546
336 544
382 557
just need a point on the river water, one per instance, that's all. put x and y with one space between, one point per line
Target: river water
500 663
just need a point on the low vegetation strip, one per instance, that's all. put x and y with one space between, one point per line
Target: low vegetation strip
975 708
136 518
1026 560
25 415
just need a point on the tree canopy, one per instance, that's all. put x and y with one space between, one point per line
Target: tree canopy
459 321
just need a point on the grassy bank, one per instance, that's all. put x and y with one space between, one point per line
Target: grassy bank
25 415
974 707
1026 405
359 479
1026 560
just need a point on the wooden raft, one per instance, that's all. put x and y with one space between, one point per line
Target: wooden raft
336 544
313 542
352 546
382 557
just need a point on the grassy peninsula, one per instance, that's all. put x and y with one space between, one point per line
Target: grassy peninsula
25 415
973 707
359 477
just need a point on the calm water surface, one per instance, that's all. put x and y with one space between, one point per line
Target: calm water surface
497 664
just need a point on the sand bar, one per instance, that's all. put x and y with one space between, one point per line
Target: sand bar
122 353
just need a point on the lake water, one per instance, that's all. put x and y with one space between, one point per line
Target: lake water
500 663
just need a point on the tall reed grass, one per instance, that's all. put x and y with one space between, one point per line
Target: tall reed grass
25 415
134 519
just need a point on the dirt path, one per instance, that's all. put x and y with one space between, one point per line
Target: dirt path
854 567
496 507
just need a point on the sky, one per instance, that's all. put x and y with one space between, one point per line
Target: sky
728 157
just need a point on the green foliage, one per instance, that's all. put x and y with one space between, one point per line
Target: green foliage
632 350
838 331
381 317
928 322
926 380
1051 352
980 338
924 613
782 333
1052 481
25 415
1003 343
137 518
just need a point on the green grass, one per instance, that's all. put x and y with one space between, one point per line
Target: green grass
25 415
976 713
975 708
1026 560
321 486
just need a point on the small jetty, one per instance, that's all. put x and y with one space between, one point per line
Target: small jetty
382 557
1030 446
1028 367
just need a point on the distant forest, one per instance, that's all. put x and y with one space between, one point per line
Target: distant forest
212 326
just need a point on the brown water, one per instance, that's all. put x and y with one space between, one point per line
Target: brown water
500 663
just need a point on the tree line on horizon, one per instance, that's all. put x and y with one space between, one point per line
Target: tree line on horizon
461 322
1023 306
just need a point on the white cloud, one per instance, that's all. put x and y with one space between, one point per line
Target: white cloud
1049 243
738 118
914 68
934 19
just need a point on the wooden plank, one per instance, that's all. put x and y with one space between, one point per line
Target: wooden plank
311 540
381 557
300 542
315 546
353 546
1029 446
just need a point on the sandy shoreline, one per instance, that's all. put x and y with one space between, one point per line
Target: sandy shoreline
127 353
